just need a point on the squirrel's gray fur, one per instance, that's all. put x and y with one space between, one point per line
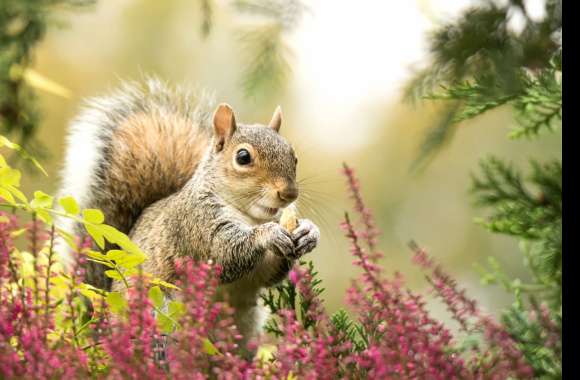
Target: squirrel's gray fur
163 170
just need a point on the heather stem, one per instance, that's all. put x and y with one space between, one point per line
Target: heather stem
370 269
370 232
47 282
34 249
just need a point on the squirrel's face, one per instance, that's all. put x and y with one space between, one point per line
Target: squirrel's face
258 166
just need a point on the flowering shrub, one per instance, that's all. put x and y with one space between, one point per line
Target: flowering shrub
53 325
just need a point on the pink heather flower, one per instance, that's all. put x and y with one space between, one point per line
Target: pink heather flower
302 279
510 361
395 336
25 351
370 232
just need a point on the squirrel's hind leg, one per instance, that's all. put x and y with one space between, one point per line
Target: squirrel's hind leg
250 322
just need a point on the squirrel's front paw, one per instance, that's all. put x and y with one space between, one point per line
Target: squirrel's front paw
305 236
276 239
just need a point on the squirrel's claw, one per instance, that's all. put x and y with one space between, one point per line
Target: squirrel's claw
306 237
277 239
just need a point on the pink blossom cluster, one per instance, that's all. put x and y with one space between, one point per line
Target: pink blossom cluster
26 351
391 334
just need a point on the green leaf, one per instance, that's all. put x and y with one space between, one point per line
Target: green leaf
157 281
176 309
94 216
156 296
111 273
17 193
9 176
23 153
18 232
116 254
165 324
117 303
90 291
209 347
96 234
96 255
266 352
117 237
131 260
70 205
105 263
7 196
44 216
41 200
130 272
114 236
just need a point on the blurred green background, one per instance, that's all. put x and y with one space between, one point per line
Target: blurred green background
341 94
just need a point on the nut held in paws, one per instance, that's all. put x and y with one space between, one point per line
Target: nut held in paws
288 220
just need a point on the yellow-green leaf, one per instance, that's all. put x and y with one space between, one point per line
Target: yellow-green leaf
156 296
209 347
116 254
165 324
24 154
96 234
18 232
114 236
17 193
90 291
96 255
9 176
130 272
117 304
94 216
70 205
105 263
117 237
7 196
130 261
39 81
44 216
111 273
176 309
41 200
266 352
157 281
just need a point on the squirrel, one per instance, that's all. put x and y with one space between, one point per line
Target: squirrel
185 182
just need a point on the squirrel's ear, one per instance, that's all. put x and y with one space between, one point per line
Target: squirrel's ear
276 121
224 124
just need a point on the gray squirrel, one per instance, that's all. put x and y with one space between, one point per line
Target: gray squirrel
185 181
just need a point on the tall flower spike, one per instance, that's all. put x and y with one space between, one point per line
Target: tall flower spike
370 232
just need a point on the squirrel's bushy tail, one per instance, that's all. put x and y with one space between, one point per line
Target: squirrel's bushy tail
129 149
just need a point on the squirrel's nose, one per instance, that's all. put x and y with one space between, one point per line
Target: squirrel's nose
288 194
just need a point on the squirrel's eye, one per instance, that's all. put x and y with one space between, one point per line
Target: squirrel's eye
243 157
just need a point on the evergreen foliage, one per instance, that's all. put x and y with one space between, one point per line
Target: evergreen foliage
285 297
206 8
264 46
23 24
478 63
481 64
